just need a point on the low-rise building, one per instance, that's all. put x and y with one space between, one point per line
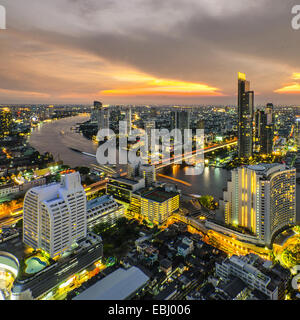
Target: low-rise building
121 284
166 266
103 210
252 271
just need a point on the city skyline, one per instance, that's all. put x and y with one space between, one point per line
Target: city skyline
149 151
148 52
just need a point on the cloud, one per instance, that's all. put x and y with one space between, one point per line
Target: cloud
153 86
291 88
73 50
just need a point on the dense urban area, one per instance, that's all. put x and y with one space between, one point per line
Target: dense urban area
73 228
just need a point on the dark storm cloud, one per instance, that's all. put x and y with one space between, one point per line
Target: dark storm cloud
205 41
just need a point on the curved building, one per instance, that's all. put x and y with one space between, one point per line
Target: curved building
261 199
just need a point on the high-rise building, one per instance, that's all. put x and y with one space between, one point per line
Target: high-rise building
245 117
148 172
100 114
182 120
262 199
298 132
133 170
264 130
103 118
129 120
55 215
5 122
149 126
97 107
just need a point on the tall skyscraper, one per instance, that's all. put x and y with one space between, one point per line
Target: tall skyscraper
245 117
298 132
101 115
55 215
264 130
128 120
94 114
183 120
262 199
97 105
103 118
149 126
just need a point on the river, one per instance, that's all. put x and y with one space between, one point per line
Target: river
57 137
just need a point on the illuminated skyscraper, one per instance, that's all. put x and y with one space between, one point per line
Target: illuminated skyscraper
54 216
262 199
245 117
298 132
182 120
103 118
94 113
264 130
129 120
100 114
149 126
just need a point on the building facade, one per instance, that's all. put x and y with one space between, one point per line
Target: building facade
261 199
103 210
54 216
253 271
158 204
245 117
264 130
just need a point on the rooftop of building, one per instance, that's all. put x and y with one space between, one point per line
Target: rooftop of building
166 263
130 182
118 285
99 201
265 169
233 288
270 275
159 195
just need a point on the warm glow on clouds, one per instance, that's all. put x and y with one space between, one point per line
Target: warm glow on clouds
291 88
296 76
24 93
147 85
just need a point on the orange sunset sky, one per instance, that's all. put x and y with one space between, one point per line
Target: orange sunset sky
148 51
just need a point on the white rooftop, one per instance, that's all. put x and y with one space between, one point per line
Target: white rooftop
116 286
